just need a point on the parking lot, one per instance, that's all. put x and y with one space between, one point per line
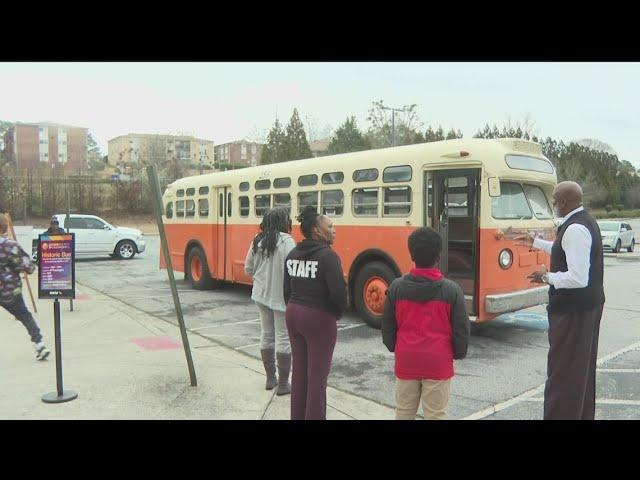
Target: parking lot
501 378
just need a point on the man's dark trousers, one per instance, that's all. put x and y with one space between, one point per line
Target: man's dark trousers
18 309
570 390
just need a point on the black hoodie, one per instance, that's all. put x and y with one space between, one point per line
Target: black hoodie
313 277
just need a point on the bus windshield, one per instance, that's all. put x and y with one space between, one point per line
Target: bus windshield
518 202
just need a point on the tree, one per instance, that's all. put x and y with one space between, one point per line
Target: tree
274 150
296 144
407 123
348 139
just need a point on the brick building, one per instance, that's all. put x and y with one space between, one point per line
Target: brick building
241 153
44 144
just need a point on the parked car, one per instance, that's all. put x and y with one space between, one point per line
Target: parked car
95 236
616 236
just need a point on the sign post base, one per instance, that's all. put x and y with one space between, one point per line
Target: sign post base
66 396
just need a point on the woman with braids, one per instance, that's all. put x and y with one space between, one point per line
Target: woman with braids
265 263
316 295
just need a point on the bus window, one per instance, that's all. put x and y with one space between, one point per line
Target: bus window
203 207
332 202
282 200
203 190
511 204
180 208
263 204
307 180
229 210
522 162
397 174
365 202
244 206
366 175
306 199
538 202
180 193
168 211
458 197
244 186
221 206
190 210
397 201
191 192
282 182
333 177
263 184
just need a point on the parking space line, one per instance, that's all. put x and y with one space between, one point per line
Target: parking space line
599 401
246 346
224 324
540 388
619 370
351 326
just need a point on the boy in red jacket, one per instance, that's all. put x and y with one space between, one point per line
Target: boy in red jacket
426 324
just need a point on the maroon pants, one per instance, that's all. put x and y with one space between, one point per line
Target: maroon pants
312 333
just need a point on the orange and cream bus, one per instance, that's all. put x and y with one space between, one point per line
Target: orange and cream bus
479 194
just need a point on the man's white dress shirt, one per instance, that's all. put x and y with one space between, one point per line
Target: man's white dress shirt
576 243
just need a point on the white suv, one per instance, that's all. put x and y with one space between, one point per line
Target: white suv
617 235
95 236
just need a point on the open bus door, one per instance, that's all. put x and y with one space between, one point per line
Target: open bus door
452 201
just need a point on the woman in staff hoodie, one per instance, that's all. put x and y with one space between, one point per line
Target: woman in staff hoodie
265 263
316 295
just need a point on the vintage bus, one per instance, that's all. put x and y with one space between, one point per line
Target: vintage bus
479 194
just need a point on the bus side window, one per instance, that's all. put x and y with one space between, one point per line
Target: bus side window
229 210
306 199
332 202
244 206
190 210
397 201
221 206
168 211
365 202
263 204
282 200
203 207
180 208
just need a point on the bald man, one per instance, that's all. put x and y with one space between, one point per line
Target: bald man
13 261
576 301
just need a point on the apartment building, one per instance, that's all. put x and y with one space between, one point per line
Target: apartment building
137 149
241 153
319 147
45 144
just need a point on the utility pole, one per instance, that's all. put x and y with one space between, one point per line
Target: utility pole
393 121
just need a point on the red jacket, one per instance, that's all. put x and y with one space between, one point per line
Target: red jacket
426 324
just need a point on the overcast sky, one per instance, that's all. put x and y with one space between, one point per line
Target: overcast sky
229 101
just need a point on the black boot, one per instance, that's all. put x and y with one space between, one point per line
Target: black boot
270 368
284 365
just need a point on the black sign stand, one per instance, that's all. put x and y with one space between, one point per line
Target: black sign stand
60 395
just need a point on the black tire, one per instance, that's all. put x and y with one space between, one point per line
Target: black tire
616 249
370 270
633 244
125 250
205 281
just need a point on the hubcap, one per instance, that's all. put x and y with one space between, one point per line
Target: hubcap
374 294
196 269
126 250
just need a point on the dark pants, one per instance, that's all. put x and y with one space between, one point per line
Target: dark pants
570 390
19 310
312 334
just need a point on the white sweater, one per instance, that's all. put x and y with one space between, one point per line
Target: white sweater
268 273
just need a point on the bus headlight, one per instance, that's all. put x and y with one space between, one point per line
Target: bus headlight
505 259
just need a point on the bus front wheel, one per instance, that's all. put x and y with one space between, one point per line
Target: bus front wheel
198 269
370 292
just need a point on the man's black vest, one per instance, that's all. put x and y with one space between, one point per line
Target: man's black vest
565 300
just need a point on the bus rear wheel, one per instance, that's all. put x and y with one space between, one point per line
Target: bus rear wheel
198 270
370 292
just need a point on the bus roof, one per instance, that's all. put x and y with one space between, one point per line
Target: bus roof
491 152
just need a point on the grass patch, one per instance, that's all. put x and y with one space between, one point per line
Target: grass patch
600 214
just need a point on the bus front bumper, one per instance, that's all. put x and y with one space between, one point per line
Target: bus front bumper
510 302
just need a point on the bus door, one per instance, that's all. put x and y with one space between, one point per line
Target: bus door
452 200
223 197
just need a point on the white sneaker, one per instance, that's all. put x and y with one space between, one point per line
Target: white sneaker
42 352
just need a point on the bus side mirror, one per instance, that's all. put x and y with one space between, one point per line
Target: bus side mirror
494 187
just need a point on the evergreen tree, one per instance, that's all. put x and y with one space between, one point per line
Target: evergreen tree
452 135
348 139
297 146
274 150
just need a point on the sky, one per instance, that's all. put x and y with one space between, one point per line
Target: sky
229 101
